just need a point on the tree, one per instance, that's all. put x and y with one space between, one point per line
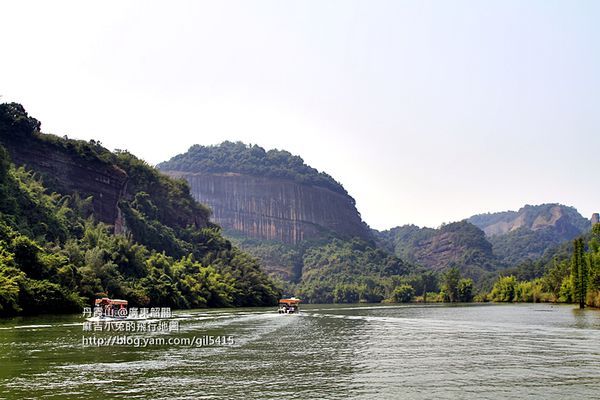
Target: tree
504 289
403 293
345 294
579 273
465 290
450 280
555 276
429 282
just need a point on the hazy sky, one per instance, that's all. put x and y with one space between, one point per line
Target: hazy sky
427 112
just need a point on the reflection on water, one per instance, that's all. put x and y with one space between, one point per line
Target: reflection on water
327 351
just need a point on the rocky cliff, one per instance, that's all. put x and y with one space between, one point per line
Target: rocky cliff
274 209
61 166
564 220
168 258
529 232
270 196
117 182
67 174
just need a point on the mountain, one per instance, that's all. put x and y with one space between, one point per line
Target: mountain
529 232
78 221
269 195
488 242
458 244
301 223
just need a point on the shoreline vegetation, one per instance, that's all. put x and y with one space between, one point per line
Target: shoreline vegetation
565 280
570 276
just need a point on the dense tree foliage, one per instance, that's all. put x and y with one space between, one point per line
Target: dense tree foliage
249 159
570 275
458 244
55 257
579 273
337 268
403 293
334 270
524 244
455 288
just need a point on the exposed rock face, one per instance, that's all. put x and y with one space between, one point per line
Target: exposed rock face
68 173
459 244
275 209
563 219
528 233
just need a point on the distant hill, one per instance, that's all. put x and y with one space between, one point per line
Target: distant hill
529 232
459 244
487 242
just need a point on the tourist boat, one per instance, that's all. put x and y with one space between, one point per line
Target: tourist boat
289 306
111 309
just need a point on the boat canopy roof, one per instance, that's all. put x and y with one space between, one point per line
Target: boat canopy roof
290 302
117 302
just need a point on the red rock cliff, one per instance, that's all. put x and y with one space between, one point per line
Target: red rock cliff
67 173
274 209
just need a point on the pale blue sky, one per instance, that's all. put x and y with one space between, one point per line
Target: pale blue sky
426 111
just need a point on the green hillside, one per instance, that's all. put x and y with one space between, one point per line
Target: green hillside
458 244
56 256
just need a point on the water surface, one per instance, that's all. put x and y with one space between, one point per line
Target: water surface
327 351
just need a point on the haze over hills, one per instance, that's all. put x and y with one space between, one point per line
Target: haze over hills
487 242
564 219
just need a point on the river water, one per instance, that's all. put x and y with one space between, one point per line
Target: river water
325 352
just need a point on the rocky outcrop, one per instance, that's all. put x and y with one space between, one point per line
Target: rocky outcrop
531 231
274 208
67 173
563 219
66 166
458 244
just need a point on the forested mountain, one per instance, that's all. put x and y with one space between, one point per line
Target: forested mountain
78 221
458 244
521 242
237 157
528 233
333 269
301 223
267 195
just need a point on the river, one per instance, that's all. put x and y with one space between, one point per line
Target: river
483 351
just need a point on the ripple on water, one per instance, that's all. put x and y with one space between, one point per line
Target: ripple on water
325 352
